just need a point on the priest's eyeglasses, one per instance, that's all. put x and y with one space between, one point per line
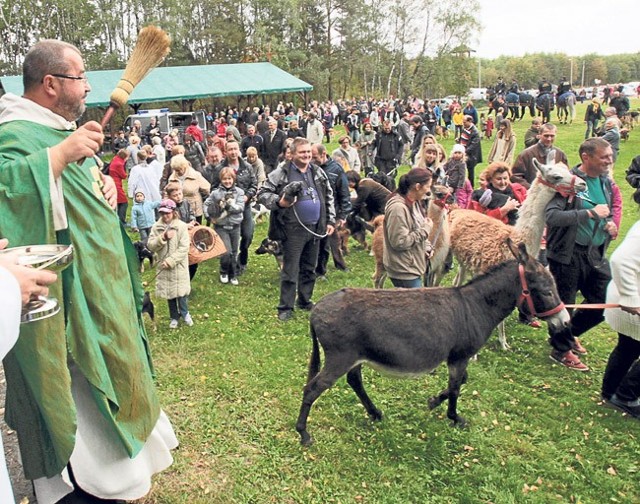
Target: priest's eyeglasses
83 78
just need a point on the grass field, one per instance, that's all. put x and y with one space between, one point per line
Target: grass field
232 384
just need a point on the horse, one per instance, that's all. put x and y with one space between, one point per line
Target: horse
411 331
566 107
527 101
544 103
513 104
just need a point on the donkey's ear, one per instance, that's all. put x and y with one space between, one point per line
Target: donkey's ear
519 251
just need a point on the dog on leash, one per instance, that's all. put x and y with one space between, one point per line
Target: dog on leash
441 132
143 253
272 247
149 308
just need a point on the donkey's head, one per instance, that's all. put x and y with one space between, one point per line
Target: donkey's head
558 176
539 295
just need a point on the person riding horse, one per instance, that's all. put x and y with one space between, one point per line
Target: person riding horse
500 87
544 87
564 86
514 88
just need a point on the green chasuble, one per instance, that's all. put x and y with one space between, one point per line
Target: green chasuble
100 327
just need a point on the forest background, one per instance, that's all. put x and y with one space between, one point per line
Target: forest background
344 48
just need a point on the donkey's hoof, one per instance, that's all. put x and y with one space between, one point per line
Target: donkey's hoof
459 422
376 415
306 439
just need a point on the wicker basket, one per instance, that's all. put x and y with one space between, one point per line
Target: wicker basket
205 244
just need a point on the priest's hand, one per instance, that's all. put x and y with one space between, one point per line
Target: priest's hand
33 282
83 143
109 191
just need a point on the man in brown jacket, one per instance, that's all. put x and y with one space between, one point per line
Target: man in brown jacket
523 171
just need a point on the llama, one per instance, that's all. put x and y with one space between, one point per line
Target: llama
478 241
406 332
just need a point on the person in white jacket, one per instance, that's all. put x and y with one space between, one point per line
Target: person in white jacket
17 285
621 381
315 130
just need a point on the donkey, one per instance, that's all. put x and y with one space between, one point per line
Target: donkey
411 331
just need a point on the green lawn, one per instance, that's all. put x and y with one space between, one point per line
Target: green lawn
232 384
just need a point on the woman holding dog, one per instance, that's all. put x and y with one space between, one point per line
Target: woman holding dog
499 187
406 230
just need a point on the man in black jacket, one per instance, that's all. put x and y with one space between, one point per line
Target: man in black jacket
301 202
273 146
252 140
388 145
419 131
470 140
342 204
578 231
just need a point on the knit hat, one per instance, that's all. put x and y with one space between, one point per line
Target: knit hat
167 206
485 199
458 148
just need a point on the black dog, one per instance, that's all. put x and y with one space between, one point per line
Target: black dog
358 228
143 253
382 178
149 308
497 200
272 247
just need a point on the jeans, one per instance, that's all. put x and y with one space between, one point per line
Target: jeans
246 234
144 235
231 239
331 244
354 135
622 374
300 257
576 276
414 283
177 307
592 126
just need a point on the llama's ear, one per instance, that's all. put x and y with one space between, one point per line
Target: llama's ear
538 166
551 157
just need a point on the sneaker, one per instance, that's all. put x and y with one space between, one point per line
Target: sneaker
224 279
568 359
285 315
577 347
188 320
234 281
630 407
173 324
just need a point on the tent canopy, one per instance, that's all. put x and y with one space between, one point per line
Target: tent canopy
186 83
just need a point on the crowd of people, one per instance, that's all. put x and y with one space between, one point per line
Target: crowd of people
69 378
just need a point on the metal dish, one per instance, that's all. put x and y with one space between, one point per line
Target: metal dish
40 308
51 257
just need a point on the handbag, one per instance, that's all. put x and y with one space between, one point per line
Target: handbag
205 244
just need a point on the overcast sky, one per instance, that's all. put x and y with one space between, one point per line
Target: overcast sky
573 27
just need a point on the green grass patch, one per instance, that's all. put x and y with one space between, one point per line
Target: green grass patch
232 386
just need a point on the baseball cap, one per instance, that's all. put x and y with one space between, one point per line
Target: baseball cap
167 206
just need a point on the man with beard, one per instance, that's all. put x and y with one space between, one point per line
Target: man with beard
70 376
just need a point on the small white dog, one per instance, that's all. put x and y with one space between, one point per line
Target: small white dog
258 210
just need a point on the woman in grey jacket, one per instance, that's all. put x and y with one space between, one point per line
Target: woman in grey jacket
406 230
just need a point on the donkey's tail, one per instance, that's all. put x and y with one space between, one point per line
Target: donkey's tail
314 361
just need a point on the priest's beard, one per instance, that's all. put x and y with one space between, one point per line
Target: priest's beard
71 107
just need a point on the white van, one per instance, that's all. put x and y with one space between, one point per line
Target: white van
166 120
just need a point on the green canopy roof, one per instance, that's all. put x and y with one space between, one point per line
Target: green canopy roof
187 82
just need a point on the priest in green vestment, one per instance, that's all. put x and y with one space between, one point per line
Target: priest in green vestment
82 378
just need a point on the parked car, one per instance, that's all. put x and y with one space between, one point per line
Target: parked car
166 120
